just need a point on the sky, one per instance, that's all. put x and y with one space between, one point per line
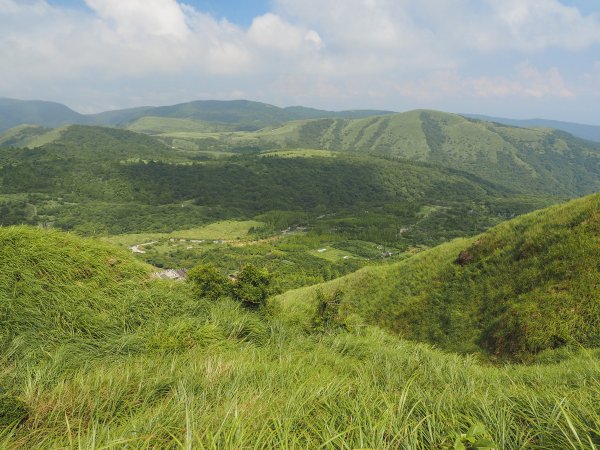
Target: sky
508 58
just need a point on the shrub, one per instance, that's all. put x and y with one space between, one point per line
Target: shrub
252 285
208 282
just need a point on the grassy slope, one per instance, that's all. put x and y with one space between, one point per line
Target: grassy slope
161 125
224 230
29 136
83 143
104 357
538 160
526 285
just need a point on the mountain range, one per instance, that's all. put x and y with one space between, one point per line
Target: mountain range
583 131
246 115
242 114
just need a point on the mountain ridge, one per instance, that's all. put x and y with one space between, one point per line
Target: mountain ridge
14 112
248 115
580 130
539 160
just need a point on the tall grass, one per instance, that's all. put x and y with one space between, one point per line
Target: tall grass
302 391
114 360
522 287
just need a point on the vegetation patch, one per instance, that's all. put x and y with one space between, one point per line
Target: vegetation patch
525 286
12 411
104 356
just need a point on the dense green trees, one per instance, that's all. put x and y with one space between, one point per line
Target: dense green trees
94 180
250 286
208 282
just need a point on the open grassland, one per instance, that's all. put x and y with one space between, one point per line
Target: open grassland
165 125
97 355
223 230
29 136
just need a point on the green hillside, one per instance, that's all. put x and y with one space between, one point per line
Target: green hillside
81 143
108 180
30 136
47 276
243 114
96 354
164 125
34 112
525 286
535 160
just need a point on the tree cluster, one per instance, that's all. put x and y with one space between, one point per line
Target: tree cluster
250 286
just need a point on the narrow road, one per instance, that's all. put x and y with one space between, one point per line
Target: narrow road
138 248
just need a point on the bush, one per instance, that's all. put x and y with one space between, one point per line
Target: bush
252 285
208 282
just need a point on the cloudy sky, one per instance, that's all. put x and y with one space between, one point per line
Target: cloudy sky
512 58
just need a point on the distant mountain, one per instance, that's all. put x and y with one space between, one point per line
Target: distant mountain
590 132
301 112
245 115
524 286
535 160
34 112
119 116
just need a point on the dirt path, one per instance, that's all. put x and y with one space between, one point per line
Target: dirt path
138 248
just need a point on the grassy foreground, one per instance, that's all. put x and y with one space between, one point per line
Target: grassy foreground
101 356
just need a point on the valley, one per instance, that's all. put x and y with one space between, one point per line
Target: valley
357 279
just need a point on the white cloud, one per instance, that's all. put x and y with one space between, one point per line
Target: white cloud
525 82
529 82
163 18
331 53
538 24
530 25
273 32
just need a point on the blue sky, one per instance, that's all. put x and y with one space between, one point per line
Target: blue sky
514 58
238 11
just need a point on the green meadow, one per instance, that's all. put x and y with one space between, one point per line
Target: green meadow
96 354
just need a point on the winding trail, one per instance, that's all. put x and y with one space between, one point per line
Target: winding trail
137 248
